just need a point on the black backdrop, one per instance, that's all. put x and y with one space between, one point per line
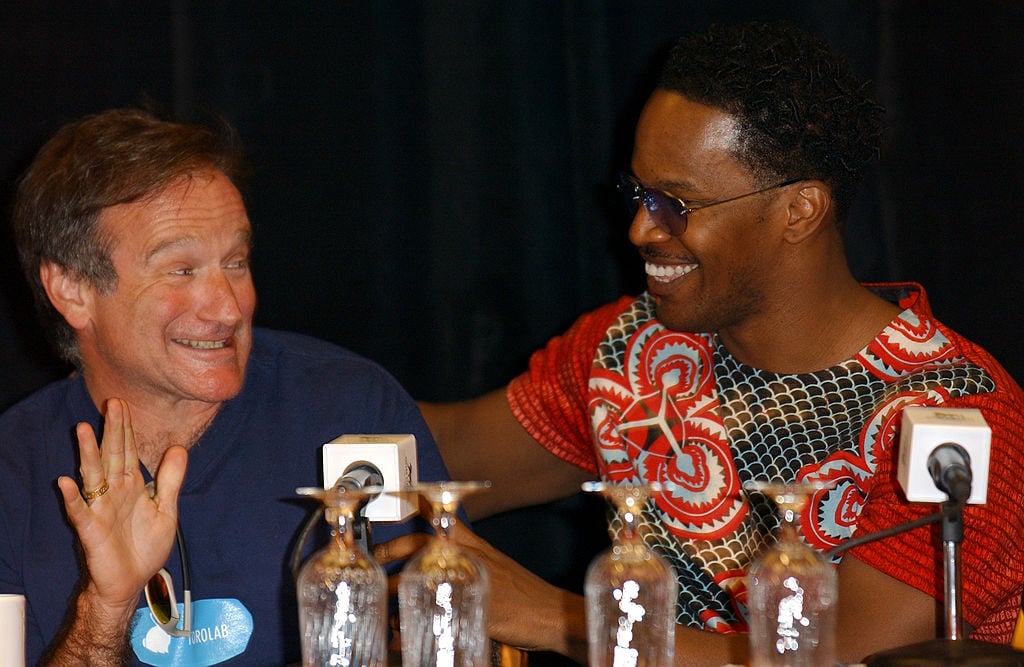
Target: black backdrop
430 177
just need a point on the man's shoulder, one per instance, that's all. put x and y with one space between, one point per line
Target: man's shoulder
290 353
270 343
46 400
37 429
598 321
912 297
904 294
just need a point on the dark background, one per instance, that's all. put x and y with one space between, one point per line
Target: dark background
430 179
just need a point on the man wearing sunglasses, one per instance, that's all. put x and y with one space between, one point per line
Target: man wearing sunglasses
136 241
754 354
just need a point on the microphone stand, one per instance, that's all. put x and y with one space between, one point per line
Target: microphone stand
954 650
363 530
952 537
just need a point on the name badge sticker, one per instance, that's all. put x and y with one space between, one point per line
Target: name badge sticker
221 629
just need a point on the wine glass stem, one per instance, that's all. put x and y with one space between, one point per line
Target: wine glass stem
343 532
444 522
629 514
789 528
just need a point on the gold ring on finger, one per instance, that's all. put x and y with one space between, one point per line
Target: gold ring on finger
96 493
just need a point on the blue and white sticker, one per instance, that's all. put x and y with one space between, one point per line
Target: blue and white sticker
221 629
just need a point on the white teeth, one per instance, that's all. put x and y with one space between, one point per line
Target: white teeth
203 344
665 274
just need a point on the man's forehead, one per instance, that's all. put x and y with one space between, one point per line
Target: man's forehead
672 117
679 142
190 209
168 242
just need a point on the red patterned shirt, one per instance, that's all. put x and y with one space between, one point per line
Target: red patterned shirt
624 397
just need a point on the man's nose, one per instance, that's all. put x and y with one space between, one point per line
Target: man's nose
643 230
221 299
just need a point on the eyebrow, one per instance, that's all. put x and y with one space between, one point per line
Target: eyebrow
667 186
244 238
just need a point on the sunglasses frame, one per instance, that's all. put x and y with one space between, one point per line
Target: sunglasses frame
668 212
160 591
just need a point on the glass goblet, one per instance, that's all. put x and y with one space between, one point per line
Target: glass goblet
630 590
443 591
342 590
792 591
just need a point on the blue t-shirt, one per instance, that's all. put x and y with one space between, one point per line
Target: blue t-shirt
238 509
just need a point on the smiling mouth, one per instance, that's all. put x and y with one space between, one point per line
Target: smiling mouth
667 273
202 344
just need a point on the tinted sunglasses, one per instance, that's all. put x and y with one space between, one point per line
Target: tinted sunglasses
160 596
667 212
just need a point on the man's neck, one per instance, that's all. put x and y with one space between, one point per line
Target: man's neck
155 433
814 329
158 424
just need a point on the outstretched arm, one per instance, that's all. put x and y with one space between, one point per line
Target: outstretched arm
480 439
125 535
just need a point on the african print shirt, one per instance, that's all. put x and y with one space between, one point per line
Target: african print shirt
678 409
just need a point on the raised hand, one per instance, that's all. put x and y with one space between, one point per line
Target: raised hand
125 533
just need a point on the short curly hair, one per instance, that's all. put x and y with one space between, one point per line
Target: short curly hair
802 113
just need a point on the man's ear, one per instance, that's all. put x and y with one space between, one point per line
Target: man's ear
69 294
809 208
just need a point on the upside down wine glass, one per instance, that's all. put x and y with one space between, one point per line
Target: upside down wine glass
630 590
342 591
443 591
791 589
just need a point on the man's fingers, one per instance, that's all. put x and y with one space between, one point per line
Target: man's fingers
129 454
169 478
73 501
115 426
69 490
461 534
91 470
400 548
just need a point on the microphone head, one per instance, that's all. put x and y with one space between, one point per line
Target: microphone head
949 465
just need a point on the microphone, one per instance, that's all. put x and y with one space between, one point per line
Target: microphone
361 475
949 465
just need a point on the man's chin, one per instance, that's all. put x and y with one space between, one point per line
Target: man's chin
218 389
671 318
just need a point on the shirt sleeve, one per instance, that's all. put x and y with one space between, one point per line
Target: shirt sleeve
550 398
992 553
